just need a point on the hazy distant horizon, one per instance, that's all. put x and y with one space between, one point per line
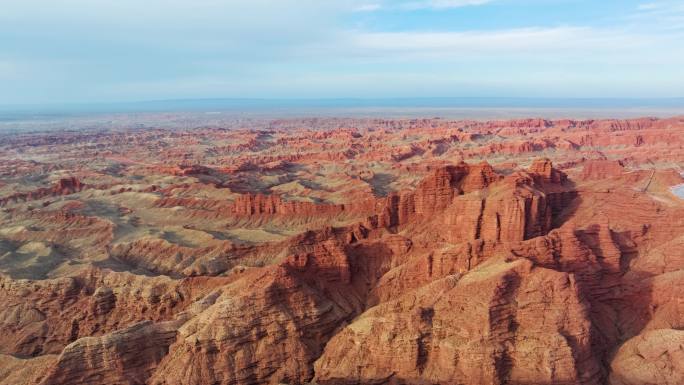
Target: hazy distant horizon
225 112
444 107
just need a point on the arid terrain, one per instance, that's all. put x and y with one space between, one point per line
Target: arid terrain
344 251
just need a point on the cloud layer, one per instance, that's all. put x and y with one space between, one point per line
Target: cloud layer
107 50
419 4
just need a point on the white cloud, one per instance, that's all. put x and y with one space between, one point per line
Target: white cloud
368 7
442 4
501 42
661 15
647 6
413 5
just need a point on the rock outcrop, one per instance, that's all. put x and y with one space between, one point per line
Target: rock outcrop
45 316
484 327
267 329
602 169
63 186
126 356
469 203
656 357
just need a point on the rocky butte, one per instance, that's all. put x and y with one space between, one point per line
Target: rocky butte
344 251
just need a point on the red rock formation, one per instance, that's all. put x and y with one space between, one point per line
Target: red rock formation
266 330
436 192
543 171
477 328
652 358
24 371
64 186
424 267
601 169
163 257
454 198
259 204
90 360
67 186
45 316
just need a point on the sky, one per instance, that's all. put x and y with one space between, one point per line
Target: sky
75 51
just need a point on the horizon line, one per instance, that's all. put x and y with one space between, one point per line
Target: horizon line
347 98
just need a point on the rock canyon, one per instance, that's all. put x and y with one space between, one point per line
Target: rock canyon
344 251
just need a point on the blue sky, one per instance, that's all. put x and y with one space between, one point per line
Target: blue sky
57 51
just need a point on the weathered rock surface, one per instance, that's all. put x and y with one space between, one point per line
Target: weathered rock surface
268 329
655 357
64 186
485 327
100 360
18 371
602 169
469 203
43 317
